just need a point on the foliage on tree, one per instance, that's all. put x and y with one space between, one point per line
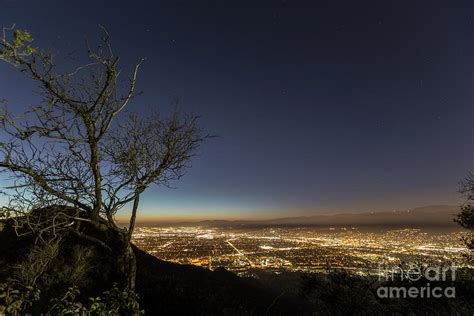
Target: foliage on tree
466 217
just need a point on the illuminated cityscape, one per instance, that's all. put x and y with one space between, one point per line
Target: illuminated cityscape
298 249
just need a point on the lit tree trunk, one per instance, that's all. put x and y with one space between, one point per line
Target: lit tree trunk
130 255
132 268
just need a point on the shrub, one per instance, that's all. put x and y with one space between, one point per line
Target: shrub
19 300
112 302
16 299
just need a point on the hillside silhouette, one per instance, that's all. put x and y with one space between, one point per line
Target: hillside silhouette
163 287
166 288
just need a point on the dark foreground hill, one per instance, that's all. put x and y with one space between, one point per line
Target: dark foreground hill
171 289
166 288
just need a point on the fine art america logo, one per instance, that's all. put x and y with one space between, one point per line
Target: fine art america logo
407 282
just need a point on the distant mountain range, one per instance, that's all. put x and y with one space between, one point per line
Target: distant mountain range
427 216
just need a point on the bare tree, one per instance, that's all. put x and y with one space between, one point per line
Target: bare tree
70 150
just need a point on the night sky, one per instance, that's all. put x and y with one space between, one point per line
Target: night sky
340 107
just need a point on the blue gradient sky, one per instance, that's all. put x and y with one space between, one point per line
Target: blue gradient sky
332 108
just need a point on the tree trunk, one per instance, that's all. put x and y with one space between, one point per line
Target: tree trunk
132 269
128 264
131 259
